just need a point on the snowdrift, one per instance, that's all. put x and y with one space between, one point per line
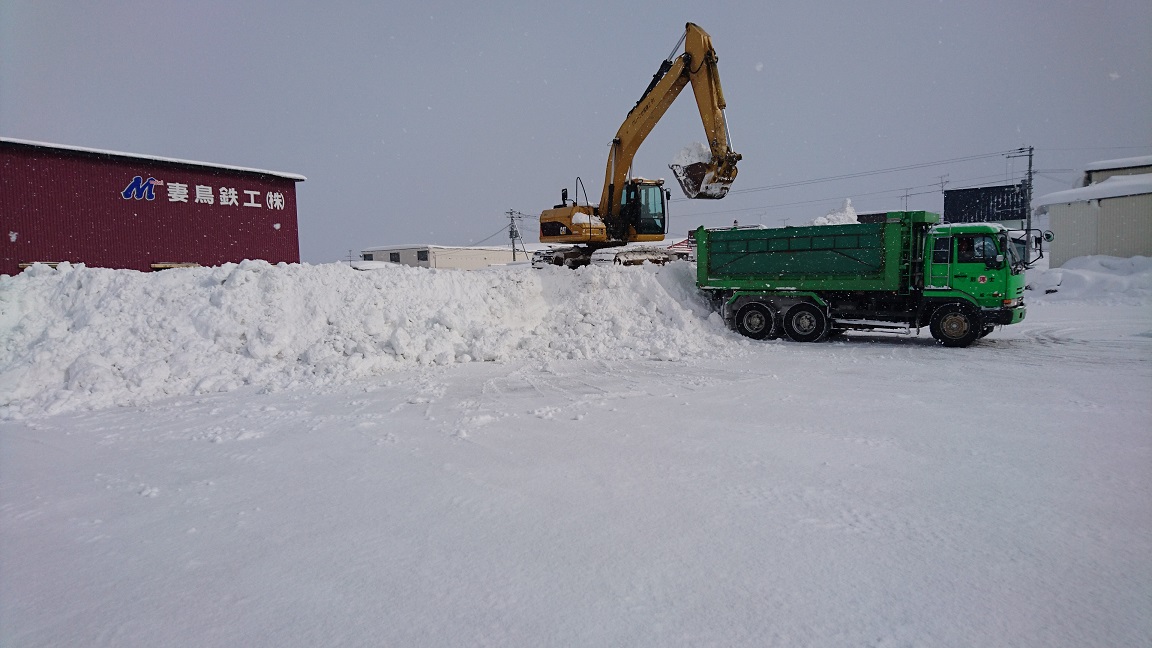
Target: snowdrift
1098 279
85 338
81 338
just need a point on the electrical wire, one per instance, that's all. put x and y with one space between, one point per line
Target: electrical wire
895 192
1096 148
862 174
503 228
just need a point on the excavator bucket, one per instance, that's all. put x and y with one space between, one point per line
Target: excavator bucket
699 180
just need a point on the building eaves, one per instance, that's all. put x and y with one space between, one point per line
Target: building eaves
153 158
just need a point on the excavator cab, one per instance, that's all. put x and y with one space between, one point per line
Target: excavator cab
643 208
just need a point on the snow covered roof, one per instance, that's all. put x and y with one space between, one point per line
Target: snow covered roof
1114 187
81 149
425 246
1122 163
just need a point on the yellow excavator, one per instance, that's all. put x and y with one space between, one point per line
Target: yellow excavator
634 209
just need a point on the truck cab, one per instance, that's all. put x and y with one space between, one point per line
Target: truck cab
976 262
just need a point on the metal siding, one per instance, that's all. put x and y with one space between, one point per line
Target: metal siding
469 259
1125 227
1075 230
68 206
1113 226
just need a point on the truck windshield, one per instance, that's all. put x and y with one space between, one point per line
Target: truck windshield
1014 251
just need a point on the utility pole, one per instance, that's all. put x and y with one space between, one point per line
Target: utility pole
514 233
1028 205
1021 152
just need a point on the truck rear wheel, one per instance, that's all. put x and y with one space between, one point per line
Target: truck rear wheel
754 321
805 323
954 326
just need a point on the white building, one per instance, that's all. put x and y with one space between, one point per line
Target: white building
444 256
1100 171
1111 215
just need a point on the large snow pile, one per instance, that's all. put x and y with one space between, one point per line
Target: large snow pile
1100 279
83 338
844 215
76 337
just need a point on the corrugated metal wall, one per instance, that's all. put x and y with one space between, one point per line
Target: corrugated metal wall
59 205
1075 228
1119 227
1125 226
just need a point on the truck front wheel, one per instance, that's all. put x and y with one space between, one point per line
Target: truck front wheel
754 321
805 323
954 326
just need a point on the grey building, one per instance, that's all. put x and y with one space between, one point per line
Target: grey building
1110 215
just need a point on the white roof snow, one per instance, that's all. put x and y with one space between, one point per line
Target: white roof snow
1122 163
81 149
1114 187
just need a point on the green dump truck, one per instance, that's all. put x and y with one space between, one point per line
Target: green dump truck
904 273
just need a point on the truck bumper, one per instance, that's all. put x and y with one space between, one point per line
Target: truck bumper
1005 315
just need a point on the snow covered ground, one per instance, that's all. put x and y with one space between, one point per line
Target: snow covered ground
260 455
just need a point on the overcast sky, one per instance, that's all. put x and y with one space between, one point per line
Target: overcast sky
425 122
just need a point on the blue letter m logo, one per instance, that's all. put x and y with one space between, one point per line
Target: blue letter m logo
139 188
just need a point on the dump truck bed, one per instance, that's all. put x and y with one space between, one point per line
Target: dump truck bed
864 256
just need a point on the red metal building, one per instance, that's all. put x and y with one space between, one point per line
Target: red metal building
121 210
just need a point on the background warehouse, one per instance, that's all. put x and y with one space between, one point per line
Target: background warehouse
122 210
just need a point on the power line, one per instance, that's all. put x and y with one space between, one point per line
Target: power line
503 228
1096 148
901 191
897 191
861 174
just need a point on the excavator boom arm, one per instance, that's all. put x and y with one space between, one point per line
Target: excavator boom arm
697 65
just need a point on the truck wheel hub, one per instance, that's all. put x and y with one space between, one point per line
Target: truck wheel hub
954 325
804 323
754 321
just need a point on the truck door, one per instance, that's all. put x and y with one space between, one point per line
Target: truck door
974 268
940 270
